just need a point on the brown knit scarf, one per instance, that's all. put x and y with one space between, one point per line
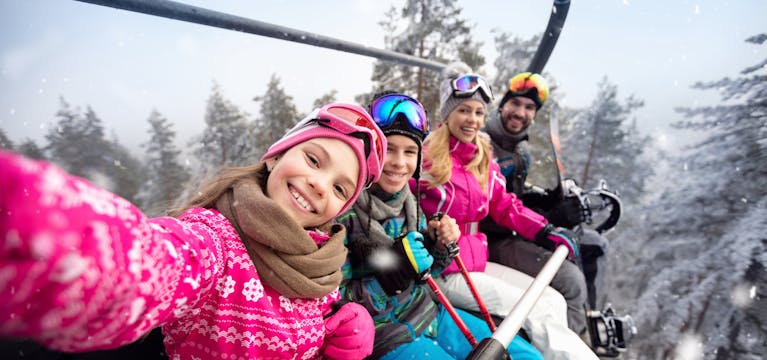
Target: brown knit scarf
285 256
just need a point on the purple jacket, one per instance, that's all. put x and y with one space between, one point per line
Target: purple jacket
82 269
463 199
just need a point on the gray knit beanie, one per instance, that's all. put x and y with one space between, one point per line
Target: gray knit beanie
448 102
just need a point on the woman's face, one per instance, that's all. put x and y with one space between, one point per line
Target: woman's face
466 119
400 163
313 180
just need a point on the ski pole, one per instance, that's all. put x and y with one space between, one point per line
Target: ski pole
453 248
454 251
445 301
491 347
450 309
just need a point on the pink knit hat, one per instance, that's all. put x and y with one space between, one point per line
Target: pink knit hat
348 123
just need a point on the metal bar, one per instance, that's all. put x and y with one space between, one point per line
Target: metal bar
550 35
198 15
513 321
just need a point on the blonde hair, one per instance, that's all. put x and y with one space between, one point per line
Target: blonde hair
439 165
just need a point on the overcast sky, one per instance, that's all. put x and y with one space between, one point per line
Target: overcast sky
125 64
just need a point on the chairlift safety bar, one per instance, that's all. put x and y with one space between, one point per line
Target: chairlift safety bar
198 15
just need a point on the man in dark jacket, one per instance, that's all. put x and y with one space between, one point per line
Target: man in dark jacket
508 130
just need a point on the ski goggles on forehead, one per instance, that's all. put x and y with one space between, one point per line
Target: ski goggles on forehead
523 82
385 109
354 121
467 85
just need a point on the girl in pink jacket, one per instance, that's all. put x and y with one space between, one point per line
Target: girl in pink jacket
247 269
463 181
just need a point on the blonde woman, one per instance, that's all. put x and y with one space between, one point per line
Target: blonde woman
462 180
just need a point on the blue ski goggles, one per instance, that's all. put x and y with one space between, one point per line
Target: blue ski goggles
468 84
384 111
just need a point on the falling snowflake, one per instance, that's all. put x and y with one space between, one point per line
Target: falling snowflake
383 259
689 348
743 295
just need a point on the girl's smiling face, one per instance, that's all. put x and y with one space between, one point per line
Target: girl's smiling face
466 119
313 180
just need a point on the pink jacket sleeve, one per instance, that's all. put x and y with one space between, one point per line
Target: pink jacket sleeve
82 269
507 210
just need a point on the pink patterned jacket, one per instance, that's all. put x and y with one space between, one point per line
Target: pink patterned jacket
465 201
82 269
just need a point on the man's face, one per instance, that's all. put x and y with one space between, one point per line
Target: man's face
517 114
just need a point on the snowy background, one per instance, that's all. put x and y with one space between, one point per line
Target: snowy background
671 96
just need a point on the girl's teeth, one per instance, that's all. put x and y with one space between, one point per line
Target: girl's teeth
301 201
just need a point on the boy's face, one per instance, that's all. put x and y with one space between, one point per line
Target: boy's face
400 163
313 180
518 113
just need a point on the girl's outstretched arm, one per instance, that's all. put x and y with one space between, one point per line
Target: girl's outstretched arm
83 269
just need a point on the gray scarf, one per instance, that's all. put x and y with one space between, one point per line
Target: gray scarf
369 207
504 142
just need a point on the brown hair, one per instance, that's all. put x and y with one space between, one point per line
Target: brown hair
209 192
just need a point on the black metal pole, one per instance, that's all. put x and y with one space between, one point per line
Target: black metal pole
550 35
198 15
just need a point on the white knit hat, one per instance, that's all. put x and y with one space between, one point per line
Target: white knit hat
447 101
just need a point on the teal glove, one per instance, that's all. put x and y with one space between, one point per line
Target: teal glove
416 253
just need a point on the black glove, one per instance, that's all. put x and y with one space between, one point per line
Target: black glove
551 237
566 213
408 259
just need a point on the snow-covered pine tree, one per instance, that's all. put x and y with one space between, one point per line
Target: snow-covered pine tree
125 172
226 139
599 144
430 29
93 143
64 140
278 113
704 278
30 149
325 99
5 141
166 175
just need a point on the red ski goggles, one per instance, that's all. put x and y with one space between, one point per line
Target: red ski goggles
468 84
353 120
525 81
385 109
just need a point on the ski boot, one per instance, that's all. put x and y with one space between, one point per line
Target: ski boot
610 334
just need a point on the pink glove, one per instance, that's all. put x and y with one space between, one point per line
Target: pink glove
551 237
349 333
